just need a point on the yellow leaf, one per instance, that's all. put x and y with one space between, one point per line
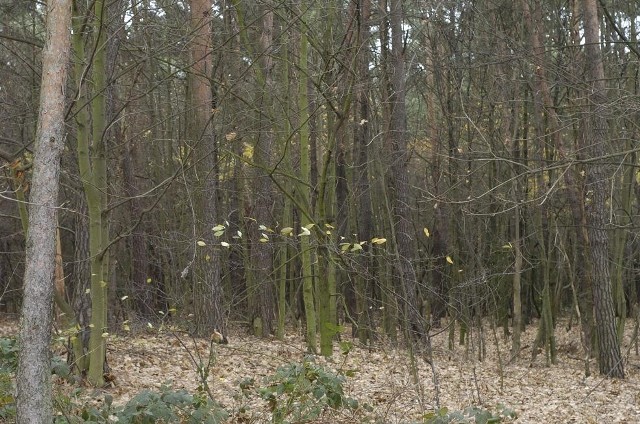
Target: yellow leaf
286 231
305 232
449 260
218 227
426 232
149 280
124 297
224 244
377 240
247 151
201 243
105 335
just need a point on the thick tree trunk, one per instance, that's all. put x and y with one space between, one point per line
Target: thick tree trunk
404 239
207 292
362 188
596 139
262 251
34 404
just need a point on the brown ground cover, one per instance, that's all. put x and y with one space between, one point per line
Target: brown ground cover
382 378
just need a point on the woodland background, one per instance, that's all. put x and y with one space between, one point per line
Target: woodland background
394 168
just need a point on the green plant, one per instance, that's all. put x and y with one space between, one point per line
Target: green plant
147 407
302 392
8 354
471 414
8 365
7 401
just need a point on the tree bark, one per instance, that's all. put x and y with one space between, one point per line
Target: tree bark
304 192
262 251
405 243
34 404
596 139
93 172
362 186
208 294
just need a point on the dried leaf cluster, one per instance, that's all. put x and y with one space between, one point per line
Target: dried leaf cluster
382 378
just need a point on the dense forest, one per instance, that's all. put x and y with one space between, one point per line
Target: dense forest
386 170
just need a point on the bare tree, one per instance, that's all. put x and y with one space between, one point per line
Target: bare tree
596 135
207 284
404 239
33 376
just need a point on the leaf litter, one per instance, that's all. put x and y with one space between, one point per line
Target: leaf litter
381 376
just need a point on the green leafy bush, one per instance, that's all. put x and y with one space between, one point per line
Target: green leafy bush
8 365
7 402
471 414
148 407
299 393
8 355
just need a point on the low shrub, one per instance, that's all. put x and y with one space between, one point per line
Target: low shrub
471 414
302 392
164 406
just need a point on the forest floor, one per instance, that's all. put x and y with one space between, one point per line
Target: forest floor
381 376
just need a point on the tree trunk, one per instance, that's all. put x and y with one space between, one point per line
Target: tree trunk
93 172
138 255
34 405
304 192
362 188
207 292
404 240
82 280
262 249
596 139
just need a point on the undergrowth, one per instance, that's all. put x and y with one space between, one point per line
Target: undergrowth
296 393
